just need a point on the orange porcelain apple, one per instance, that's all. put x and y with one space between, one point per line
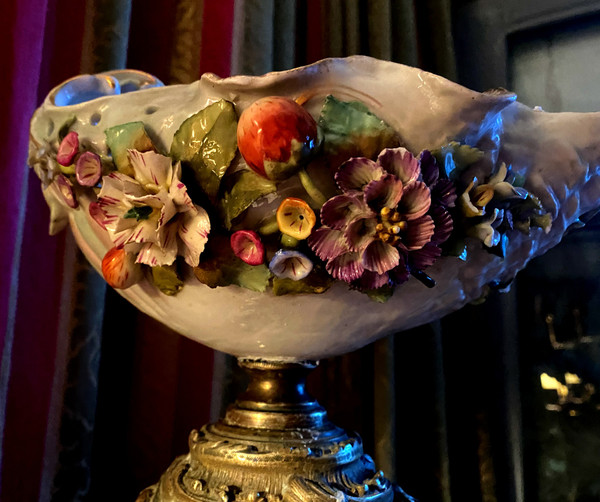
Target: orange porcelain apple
276 136
120 270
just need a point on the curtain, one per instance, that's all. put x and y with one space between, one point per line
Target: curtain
38 272
99 395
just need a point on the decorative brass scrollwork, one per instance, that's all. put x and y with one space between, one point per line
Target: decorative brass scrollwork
275 444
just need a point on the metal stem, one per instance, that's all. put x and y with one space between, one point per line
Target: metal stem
276 444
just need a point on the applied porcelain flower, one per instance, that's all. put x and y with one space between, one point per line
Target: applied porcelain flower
152 214
389 221
290 264
492 208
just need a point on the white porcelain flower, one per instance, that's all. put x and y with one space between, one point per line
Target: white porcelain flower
152 214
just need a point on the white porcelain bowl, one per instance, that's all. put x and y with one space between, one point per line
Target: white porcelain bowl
558 154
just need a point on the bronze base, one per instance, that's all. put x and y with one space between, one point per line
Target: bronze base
275 444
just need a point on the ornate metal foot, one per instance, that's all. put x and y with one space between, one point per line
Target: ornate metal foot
275 444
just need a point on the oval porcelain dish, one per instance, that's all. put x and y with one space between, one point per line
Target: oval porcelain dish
556 155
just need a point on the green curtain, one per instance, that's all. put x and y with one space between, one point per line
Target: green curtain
413 32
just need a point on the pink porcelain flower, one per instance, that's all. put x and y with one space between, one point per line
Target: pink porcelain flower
389 221
152 214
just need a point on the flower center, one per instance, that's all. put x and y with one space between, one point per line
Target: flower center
481 195
139 213
390 226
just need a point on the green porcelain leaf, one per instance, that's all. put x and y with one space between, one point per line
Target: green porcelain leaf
318 281
528 213
208 142
380 295
123 137
351 130
165 278
244 187
220 267
139 213
253 277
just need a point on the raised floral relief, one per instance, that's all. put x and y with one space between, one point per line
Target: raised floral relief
386 223
151 214
285 202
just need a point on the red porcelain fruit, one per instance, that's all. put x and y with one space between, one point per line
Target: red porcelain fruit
120 270
275 136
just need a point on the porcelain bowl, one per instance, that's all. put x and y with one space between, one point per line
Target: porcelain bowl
558 156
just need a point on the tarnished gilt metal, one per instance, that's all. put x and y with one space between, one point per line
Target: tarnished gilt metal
275 444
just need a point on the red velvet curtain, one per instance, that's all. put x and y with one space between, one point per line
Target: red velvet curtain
43 43
33 34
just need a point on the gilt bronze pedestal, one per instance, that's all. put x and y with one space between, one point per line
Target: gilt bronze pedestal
274 444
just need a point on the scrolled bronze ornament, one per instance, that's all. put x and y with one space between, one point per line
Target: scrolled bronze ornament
251 460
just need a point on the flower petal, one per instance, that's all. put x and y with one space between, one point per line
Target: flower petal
401 163
193 232
443 224
444 192
380 257
467 207
384 192
295 218
155 255
505 190
327 243
485 233
500 174
355 173
418 233
430 172
118 190
120 237
144 231
167 212
289 264
151 169
340 210
65 190
178 192
371 280
400 274
88 169
425 257
415 201
248 247
113 210
67 149
97 213
346 267
360 233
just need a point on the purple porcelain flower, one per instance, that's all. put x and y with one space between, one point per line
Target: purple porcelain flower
389 221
